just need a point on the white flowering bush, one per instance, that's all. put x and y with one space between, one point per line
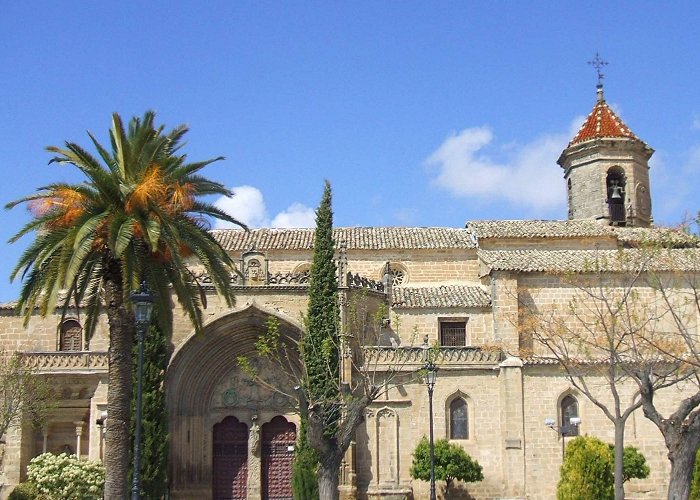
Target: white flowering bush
66 477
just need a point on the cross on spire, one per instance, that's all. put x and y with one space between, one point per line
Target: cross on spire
598 64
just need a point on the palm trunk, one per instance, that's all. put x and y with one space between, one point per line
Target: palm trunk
121 339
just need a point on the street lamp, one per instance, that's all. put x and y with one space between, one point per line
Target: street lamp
564 430
430 378
143 307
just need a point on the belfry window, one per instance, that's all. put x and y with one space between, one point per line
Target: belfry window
459 419
71 336
569 410
615 183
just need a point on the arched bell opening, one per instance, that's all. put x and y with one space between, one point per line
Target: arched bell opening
615 182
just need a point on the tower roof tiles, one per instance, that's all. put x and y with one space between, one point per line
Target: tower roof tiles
602 122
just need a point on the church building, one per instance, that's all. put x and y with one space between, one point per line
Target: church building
462 289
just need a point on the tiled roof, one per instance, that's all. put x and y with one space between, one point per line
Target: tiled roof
537 228
440 296
561 261
359 238
578 228
602 122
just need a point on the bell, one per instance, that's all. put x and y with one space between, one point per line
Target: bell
616 192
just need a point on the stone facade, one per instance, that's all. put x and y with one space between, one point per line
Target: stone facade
480 278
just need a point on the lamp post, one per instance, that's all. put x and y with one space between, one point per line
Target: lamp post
143 307
563 431
430 378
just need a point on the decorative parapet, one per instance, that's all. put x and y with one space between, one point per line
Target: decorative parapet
357 281
415 357
67 361
301 278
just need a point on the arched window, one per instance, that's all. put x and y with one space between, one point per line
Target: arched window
71 336
569 410
459 419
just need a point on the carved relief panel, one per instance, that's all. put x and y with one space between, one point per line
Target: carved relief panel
254 266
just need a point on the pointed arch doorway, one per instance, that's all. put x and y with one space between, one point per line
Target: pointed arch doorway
278 439
230 467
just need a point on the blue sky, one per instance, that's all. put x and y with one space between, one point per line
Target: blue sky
419 113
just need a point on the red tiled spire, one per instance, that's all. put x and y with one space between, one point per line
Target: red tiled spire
602 122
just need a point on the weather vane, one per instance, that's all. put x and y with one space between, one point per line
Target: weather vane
598 64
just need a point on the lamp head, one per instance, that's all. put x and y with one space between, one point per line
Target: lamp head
430 374
143 303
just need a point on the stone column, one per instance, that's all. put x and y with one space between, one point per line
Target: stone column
78 436
254 461
45 442
512 428
348 476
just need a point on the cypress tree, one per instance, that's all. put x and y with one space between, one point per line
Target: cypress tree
319 344
154 430
304 482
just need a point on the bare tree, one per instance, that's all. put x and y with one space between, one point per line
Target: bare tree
23 394
675 278
612 340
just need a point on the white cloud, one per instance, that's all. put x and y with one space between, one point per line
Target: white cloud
297 215
248 206
696 123
529 176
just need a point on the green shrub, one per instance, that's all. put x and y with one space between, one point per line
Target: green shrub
24 491
695 485
451 462
634 465
66 477
588 470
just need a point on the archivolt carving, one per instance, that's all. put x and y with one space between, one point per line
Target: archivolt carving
238 390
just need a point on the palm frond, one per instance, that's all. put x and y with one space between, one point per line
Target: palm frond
124 236
120 145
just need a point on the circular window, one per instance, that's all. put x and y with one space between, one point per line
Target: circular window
399 275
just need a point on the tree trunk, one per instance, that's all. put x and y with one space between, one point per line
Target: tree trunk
328 478
121 339
619 455
682 457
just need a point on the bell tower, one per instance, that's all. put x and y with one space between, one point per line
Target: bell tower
606 168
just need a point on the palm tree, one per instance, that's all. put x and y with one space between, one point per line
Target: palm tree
137 216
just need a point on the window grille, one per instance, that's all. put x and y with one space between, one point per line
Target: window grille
71 336
453 333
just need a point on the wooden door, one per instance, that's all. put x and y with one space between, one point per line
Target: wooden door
278 440
230 474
